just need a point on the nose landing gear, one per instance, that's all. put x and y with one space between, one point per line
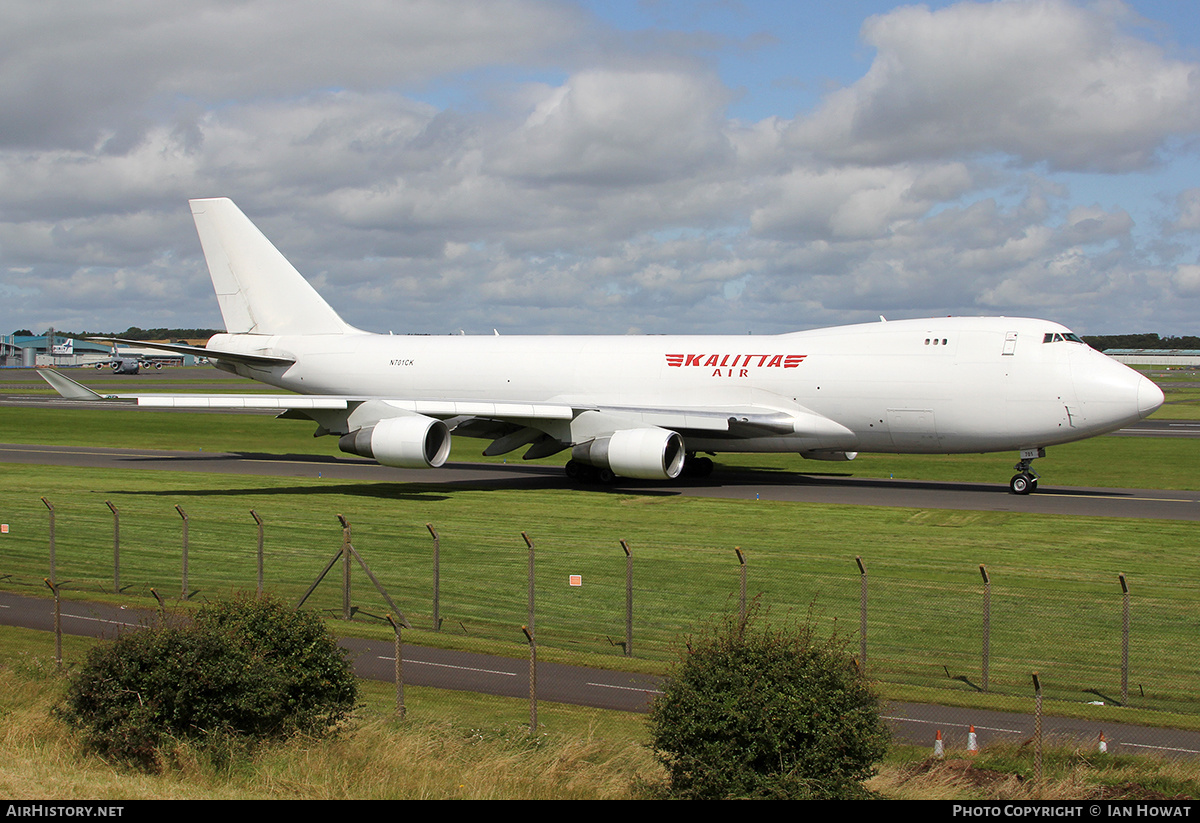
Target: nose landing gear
1026 479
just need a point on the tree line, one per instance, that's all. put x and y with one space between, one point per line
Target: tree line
132 333
1140 341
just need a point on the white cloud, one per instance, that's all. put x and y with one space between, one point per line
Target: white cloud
1186 280
73 71
611 128
1041 80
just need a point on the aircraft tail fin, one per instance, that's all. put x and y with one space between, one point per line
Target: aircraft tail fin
258 290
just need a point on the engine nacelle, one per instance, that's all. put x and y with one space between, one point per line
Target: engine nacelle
649 453
406 442
834 456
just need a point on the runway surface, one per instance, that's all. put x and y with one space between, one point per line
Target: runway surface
913 723
730 484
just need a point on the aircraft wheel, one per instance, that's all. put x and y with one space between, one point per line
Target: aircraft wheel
607 477
573 470
1022 483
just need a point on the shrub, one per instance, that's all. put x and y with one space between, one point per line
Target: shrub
243 671
755 710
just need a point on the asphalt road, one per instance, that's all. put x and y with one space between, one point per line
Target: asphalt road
912 723
1152 504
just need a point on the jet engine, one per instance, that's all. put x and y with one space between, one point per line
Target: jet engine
405 442
647 453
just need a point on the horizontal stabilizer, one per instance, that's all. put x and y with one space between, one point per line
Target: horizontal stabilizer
67 387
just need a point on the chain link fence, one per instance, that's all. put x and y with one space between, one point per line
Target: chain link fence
599 596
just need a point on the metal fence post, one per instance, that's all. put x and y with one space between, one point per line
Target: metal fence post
742 596
259 522
116 546
346 612
628 599
528 630
862 642
1124 640
987 623
57 623
437 577
53 575
183 514
399 674
529 543
1037 728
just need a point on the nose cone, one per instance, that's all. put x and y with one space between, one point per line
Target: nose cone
1110 394
1149 397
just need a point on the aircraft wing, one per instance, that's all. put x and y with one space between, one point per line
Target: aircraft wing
441 409
468 411
390 430
72 390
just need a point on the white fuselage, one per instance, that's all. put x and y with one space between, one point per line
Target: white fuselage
952 385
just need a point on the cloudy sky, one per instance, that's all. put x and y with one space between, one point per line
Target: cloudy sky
611 166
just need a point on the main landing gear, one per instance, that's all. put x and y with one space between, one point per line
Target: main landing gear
586 473
1026 479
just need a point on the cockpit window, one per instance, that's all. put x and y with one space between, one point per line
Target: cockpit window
1056 337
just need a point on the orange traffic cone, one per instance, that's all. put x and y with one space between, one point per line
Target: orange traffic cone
938 751
972 742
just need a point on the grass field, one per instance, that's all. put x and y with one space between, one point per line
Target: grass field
464 746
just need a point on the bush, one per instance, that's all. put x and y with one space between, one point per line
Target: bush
244 671
753 710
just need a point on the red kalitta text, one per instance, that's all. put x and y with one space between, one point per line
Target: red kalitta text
724 365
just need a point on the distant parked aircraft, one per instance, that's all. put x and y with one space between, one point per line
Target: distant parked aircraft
127 363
